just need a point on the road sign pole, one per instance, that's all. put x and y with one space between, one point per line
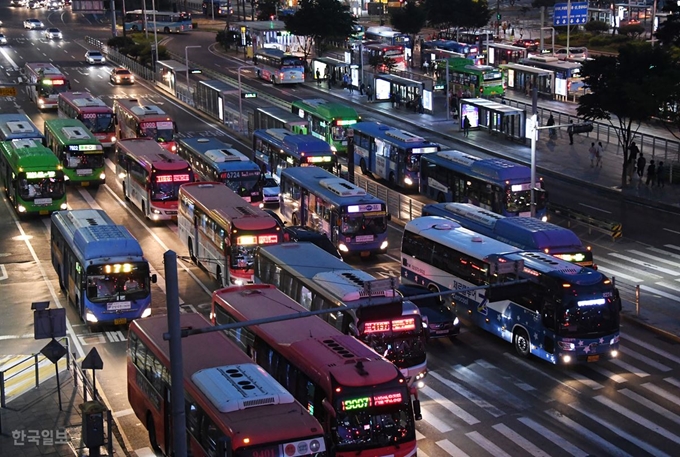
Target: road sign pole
568 25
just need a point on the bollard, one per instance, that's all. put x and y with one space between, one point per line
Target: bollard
637 300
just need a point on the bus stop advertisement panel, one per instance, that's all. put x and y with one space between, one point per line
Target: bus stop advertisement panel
496 118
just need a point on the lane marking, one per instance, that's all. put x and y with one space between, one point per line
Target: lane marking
553 437
655 258
652 348
660 292
667 271
618 274
595 208
520 441
629 368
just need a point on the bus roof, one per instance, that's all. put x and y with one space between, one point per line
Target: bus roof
30 155
397 136
48 69
85 100
71 131
282 115
18 126
215 150
328 186
263 411
321 351
140 110
557 269
451 234
152 155
491 168
300 144
96 236
326 109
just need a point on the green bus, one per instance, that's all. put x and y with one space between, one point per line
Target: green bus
327 120
79 151
32 177
469 79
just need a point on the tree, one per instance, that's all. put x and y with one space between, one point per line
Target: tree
266 9
596 27
409 20
469 14
321 21
627 89
668 32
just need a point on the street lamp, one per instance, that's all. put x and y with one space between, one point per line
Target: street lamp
240 96
155 34
186 62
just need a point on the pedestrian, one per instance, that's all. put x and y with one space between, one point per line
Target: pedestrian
570 131
599 150
369 93
641 161
318 77
651 173
426 67
362 88
633 152
660 178
331 82
466 125
551 122
350 86
593 153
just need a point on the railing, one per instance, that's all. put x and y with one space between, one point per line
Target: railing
610 228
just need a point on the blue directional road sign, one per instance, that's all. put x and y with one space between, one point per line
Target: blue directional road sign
578 15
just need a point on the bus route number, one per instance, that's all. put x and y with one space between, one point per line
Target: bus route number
8 91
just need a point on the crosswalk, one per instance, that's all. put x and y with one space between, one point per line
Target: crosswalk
625 407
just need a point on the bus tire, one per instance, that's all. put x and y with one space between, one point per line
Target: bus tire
192 256
391 180
295 219
125 194
522 343
151 428
362 165
166 30
440 198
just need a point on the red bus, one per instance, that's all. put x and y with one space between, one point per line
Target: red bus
93 112
151 176
222 231
233 407
394 52
361 399
44 83
135 120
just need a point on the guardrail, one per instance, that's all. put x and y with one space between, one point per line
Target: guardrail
610 228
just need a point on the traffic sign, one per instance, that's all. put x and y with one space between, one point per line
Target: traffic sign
578 14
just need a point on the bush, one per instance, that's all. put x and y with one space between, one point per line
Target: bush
121 43
596 27
633 30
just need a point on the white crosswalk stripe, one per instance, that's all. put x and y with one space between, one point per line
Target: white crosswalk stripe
608 374
487 445
660 293
645 264
673 381
656 259
553 437
650 404
672 246
646 360
470 396
520 441
431 418
584 380
617 274
664 253
464 373
662 393
630 368
650 347
448 404
450 449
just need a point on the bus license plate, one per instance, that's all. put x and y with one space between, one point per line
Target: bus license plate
365 253
121 321
593 358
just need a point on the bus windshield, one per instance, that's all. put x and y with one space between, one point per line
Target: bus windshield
403 348
245 185
163 190
363 224
412 162
34 189
291 61
45 90
520 201
159 131
80 160
588 317
339 133
99 123
128 281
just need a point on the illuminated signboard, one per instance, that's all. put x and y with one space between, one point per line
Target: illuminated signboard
164 125
118 268
396 325
364 208
595 302
578 257
319 159
354 404
53 82
147 125
377 327
172 178
404 325
40 174
85 147
424 150
249 240
345 122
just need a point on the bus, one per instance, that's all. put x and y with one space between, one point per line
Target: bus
327 120
275 150
361 399
135 120
376 52
319 280
560 312
568 77
467 50
503 53
387 35
279 67
498 185
390 153
151 176
93 112
526 233
217 8
275 117
32 177
221 231
160 21
233 407
472 79
354 220
15 126
80 153
213 160
101 267
44 83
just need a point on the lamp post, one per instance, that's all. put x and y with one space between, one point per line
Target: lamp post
186 62
240 96
155 34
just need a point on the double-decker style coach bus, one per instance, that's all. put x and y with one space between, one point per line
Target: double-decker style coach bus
233 407
560 312
354 220
361 399
44 84
213 160
327 120
93 112
80 153
151 176
101 267
135 120
32 177
15 126
319 280
221 231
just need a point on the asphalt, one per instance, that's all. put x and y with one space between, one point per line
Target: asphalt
37 411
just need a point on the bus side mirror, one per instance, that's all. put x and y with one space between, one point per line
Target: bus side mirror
328 407
154 278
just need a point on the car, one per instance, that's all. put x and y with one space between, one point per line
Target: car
33 24
94 57
53 33
529 43
3 39
121 75
32 5
578 54
441 320
300 233
270 189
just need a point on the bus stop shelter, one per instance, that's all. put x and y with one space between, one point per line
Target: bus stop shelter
496 118
522 78
167 73
411 92
329 68
211 98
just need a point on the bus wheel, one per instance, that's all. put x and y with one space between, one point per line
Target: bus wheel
191 250
362 165
440 198
218 276
166 30
150 426
134 28
522 343
391 180
295 220
125 194
61 282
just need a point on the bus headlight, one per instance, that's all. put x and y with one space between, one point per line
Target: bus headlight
122 175
383 245
408 181
146 313
113 139
566 359
21 208
102 176
66 178
544 218
89 317
614 354
343 247
173 148
63 206
238 282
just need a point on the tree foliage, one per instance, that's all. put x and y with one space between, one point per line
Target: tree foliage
627 89
409 20
668 32
632 30
469 14
596 27
266 9
321 21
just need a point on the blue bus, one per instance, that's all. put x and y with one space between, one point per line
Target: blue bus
524 232
15 126
561 312
277 149
101 267
215 161
355 221
389 153
498 185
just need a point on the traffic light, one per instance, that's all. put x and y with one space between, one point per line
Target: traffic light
586 127
498 16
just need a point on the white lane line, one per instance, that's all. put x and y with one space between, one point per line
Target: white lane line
654 258
630 368
672 246
673 381
595 208
669 230
632 270
520 441
584 380
431 418
553 437
660 293
646 360
669 285
635 261
487 445
470 396
449 448
124 412
449 405
652 348
530 367
638 419
653 406
618 274
672 398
